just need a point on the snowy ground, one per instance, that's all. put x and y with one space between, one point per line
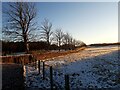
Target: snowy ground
94 67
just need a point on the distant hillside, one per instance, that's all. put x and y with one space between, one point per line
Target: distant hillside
104 44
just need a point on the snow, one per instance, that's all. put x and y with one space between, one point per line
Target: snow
94 67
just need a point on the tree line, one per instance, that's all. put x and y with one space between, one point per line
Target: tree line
21 29
13 47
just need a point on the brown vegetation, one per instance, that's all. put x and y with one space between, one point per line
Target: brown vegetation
42 55
20 59
49 55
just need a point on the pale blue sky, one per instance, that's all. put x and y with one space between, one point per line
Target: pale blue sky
91 22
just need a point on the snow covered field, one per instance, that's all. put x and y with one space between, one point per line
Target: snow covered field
94 67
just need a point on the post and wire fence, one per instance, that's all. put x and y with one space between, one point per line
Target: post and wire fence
54 85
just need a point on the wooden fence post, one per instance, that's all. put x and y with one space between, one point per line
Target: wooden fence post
67 87
39 66
51 77
43 70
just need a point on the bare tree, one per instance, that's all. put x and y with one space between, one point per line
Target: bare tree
21 22
74 42
59 37
71 40
46 32
66 39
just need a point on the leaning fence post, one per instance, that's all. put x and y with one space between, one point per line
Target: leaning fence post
67 87
39 66
51 77
43 70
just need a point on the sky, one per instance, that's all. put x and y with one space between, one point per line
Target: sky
90 22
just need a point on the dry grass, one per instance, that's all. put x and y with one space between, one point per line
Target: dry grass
15 59
39 55
49 54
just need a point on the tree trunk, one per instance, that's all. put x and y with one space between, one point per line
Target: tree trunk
48 43
59 48
26 45
59 45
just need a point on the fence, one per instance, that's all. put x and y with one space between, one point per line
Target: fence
54 85
29 59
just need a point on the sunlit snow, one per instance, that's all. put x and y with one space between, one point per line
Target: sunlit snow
94 67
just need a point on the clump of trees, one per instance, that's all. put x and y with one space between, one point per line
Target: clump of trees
58 37
20 28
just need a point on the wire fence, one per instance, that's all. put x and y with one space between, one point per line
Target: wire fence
48 72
